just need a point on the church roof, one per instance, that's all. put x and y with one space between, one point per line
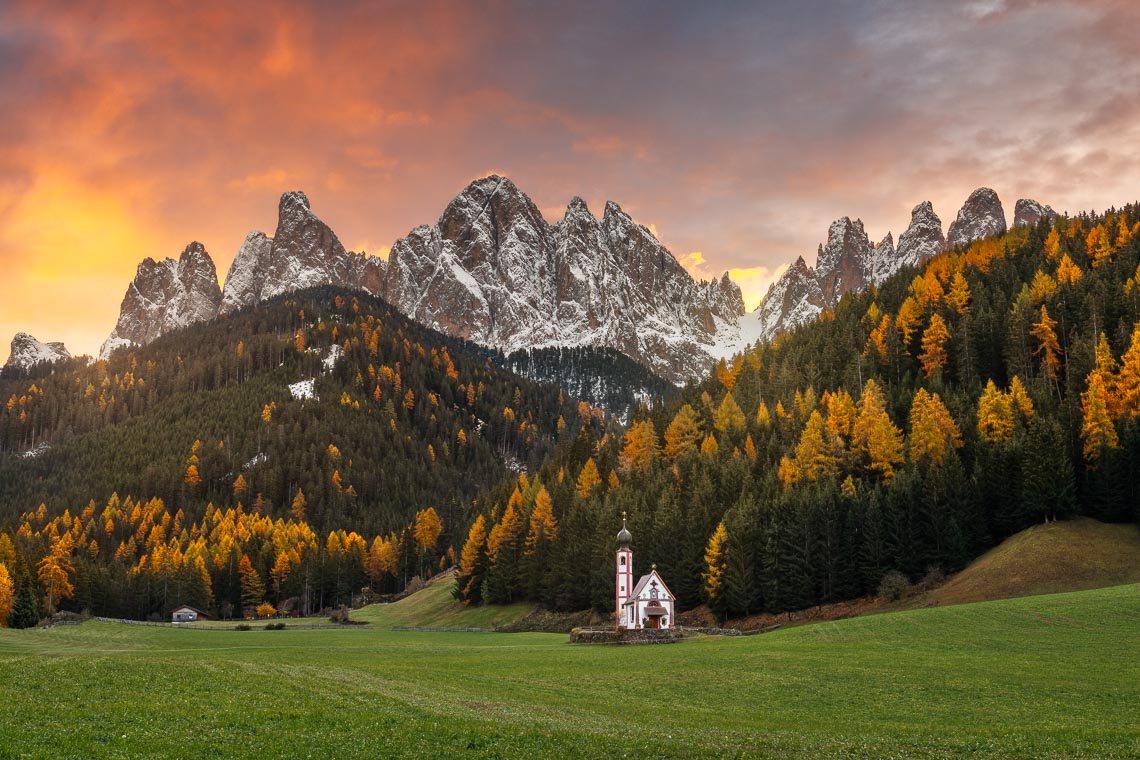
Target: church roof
644 581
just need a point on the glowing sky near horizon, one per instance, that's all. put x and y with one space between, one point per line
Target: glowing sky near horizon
738 132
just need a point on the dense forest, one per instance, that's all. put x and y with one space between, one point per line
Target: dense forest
604 377
299 451
908 430
325 399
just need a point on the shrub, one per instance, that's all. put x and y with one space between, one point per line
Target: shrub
275 627
339 616
934 578
894 586
242 627
266 610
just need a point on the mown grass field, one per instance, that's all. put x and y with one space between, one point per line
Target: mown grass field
1040 676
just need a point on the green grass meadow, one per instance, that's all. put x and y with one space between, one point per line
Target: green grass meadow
1041 676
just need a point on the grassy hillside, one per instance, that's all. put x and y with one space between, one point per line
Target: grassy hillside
435 607
1046 559
1040 676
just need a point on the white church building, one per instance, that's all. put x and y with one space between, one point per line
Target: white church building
650 603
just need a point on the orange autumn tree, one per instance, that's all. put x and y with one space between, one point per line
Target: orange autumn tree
54 572
932 429
472 564
639 447
715 562
7 595
588 480
815 454
683 434
1097 429
1049 348
933 356
1128 380
995 415
875 436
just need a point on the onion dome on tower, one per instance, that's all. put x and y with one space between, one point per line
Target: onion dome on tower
624 537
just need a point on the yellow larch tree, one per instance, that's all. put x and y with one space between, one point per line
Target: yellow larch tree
933 356
995 415
683 434
908 318
932 429
1127 390
875 435
427 529
959 295
1106 368
1020 400
543 526
1097 430
588 480
7 595
729 417
877 340
709 447
639 447
815 454
299 506
54 572
472 560
788 472
1053 245
715 561
1068 273
1049 348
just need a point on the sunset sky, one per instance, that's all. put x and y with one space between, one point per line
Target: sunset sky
736 131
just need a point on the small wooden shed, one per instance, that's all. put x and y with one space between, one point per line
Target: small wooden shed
186 615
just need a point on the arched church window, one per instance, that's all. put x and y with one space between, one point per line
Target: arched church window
622 560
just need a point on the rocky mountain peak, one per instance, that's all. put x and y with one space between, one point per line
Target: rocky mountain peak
922 239
844 263
883 260
492 270
980 216
1029 212
27 352
166 295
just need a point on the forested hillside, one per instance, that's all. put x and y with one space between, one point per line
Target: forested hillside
326 409
603 376
909 429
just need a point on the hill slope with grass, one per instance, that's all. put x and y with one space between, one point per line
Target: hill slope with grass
1071 555
434 606
1043 676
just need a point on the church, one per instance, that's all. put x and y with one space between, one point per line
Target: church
649 604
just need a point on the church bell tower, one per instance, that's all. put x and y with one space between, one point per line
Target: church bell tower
623 585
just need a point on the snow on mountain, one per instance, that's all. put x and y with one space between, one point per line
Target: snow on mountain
164 296
246 276
303 253
980 216
884 262
27 352
922 238
494 271
1029 212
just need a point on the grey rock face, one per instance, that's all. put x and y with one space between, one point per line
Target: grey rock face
494 271
1029 212
27 352
923 237
844 264
304 252
981 216
164 296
